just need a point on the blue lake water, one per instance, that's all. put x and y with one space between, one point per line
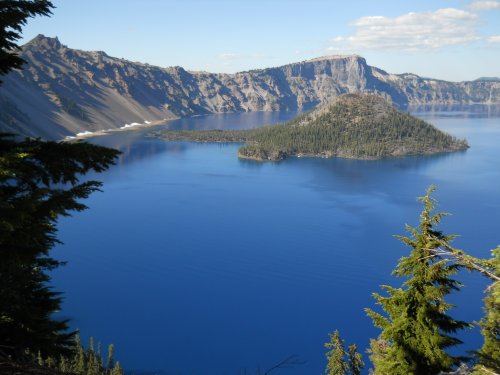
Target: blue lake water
195 262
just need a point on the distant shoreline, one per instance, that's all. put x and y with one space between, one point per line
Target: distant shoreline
353 126
127 127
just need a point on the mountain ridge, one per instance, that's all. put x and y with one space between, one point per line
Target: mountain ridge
63 91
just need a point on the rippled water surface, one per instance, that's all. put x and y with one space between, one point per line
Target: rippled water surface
195 262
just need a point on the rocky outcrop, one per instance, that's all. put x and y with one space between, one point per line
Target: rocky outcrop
63 91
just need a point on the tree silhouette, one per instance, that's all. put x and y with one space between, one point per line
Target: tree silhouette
39 182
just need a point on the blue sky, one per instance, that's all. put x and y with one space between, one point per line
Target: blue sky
446 39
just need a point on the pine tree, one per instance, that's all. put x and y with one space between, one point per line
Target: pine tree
416 328
341 362
117 370
98 353
63 364
354 360
82 362
378 354
79 361
336 355
111 361
39 359
489 354
90 349
50 362
14 14
39 182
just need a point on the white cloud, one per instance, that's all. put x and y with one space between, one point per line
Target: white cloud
493 39
411 31
484 5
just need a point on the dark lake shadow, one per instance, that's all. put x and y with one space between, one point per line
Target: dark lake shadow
337 177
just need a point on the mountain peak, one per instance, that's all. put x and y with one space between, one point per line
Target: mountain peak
489 79
44 41
337 57
63 91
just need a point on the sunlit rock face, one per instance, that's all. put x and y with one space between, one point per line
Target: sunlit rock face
62 91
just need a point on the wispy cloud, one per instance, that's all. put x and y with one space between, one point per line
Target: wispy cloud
484 5
411 31
494 39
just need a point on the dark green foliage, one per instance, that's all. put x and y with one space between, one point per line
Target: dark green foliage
13 16
336 355
111 356
85 362
39 181
354 126
378 352
204 135
489 354
70 106
354 360
340 362
416 329
258 152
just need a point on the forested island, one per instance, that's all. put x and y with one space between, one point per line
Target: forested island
358 126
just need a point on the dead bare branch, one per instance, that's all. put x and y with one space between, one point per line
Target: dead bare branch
288 362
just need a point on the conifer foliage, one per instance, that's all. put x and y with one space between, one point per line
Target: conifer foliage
83 361
489 354
14 14
416 329
340 361
354 360
39 182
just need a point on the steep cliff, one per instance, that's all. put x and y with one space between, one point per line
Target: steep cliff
63 91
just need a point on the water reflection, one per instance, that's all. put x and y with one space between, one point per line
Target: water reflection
233 121
353 177
455 111
135 147
135 144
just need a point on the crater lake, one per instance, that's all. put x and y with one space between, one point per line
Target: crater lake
192 261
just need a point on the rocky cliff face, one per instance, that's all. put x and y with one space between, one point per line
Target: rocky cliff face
63 91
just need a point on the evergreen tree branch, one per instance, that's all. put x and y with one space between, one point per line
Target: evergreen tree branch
466 261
